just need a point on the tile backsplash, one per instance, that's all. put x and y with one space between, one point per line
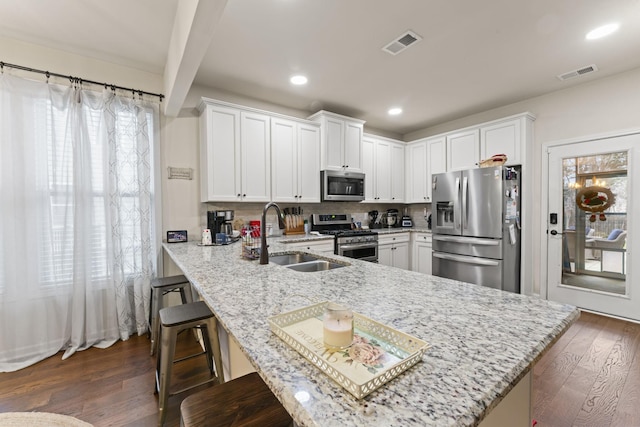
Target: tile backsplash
253 211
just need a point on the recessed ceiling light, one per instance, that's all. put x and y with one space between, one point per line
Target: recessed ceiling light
394 111
298 80
603 31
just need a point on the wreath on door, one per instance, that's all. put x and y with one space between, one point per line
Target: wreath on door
595 199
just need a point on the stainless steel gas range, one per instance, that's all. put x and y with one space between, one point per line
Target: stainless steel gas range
359 244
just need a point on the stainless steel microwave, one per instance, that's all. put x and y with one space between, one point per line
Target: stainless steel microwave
342 186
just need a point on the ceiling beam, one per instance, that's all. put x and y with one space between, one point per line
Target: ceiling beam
193 28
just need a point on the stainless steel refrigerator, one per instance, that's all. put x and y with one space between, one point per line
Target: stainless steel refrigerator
476 226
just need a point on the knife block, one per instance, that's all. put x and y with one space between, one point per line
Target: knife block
294 224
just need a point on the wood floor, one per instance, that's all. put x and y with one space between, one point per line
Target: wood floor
110 387
590 377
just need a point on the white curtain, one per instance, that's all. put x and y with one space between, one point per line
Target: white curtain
77 243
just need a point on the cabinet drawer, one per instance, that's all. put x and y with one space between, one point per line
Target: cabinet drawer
387 239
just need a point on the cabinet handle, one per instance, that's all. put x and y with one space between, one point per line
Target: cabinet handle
244 195
238 194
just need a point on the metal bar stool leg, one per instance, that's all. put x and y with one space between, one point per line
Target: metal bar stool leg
165 367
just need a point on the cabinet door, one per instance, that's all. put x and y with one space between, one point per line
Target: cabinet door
501 138
401 255
333 149
369 169
384 255
353 146
422 258
284 181
308 163
383 171
436 160
255 147
417 173
219 154
397 173
463 150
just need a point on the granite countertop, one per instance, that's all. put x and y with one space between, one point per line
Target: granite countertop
483 341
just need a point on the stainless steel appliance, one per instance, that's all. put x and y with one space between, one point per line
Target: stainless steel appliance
341 186
476 226
406 220
390 218
359 244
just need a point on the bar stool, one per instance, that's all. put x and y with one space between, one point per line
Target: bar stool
245 401
173 320
161 286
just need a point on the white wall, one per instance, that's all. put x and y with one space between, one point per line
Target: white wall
597 107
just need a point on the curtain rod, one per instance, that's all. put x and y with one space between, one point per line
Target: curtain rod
73 79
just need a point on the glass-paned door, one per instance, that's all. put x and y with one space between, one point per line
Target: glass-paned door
589 222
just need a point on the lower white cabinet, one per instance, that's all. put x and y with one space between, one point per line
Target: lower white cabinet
393 250
421 252
324 246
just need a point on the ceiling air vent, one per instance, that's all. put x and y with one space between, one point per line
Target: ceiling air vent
579 72
402 42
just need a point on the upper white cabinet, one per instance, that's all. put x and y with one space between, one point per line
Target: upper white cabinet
234 155
255 155
502 138
383 166
463 150
398 183
341 146
424 158
219 152
295 149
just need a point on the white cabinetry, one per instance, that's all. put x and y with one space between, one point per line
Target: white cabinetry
424 158
421 252
295 154
398 183
324 246
502 138
341 141
463 150
234 154
383 165
393 250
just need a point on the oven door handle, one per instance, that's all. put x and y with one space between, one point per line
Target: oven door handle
350 247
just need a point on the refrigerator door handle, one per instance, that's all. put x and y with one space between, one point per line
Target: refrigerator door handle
469 240
467 259
457 226
465 210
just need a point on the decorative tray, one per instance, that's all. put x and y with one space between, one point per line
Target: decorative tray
378 353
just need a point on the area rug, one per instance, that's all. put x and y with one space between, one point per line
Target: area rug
39 419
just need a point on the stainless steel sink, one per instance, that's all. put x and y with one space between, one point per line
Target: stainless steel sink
288 259
318 265
304 262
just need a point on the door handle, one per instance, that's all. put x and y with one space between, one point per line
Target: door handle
555 233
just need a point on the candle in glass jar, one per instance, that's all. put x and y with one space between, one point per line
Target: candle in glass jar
337 326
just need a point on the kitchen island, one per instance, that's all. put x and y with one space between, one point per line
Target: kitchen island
483 341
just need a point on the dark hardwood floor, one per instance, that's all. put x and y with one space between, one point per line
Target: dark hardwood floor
590 377
105 387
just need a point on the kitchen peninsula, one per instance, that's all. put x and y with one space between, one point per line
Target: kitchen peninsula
484 342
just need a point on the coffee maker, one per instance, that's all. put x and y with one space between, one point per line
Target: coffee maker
215 221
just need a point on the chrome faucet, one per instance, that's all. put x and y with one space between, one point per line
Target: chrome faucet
264 252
